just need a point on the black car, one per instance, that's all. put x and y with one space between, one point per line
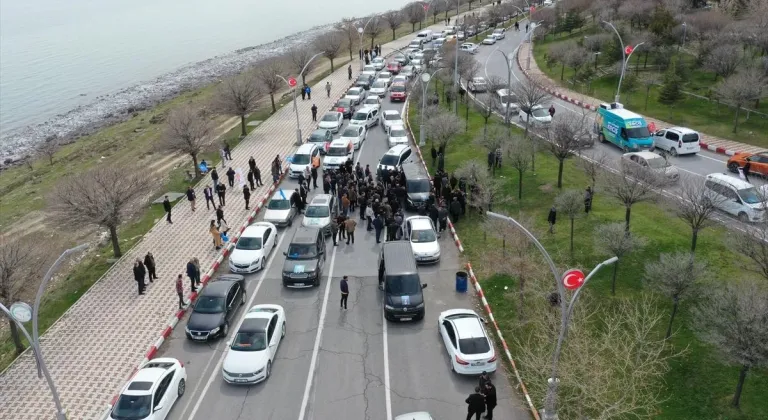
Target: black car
345 106
305 258
402 59
417 187
364 81
215 308
399 279
321 138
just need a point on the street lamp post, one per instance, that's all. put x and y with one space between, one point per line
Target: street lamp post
360 33
550 407
299 139
685 30
530 43
507 60
21 313
456 65
425 79
624 58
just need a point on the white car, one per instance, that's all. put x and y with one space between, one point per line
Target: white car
279 211
469 47
539 115
419 415
152 391
466 342
489 40
318 213
332 121
390 118
379 88
498 33
372 102
356 134
253 350
394 158
422 234
252 248
416 64
477 84
652 163
369 69
385 76
397 135
400 78
356 95
378 63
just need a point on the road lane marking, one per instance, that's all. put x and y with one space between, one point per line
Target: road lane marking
387 393
214 372
318 339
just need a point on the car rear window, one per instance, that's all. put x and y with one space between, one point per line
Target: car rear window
691 138
477 345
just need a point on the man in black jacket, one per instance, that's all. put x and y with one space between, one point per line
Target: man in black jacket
475 404
490 399
167 208
221 191
208 193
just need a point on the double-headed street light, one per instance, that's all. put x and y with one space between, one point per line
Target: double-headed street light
626 54
294 84
21 313
571 279
425 79
360 33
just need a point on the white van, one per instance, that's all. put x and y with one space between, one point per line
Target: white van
367 116
426 35
677 141
338 153
735 197
303 159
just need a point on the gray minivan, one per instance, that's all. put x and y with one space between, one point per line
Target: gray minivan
399 279
305 258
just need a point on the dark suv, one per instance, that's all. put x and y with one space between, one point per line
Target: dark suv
215 307
417 187
364 81
305 258
399 278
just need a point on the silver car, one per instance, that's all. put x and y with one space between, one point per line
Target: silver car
279 211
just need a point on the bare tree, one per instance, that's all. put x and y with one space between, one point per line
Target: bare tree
487 103
413 14
495 141
330 44
747 85
238 96
375 28
565 137
649 80
629 187
723 60
299 59
696 207
612 240
485 191
436 9
348 27
571 204
441 127
187 132
530 93
676 275
268 74
593 167
559 53
394 19
753 244
49 147
519 157
732 317
19 264
105 196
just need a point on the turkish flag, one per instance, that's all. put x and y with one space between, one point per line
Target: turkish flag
426 7
533 9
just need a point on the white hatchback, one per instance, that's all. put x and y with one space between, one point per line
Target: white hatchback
385 76
252 352
356 95
391 118
356 134
152 390
332 121
379 88
422 234
397 135
466 342
253 248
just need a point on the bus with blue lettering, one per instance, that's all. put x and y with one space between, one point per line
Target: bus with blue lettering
623 128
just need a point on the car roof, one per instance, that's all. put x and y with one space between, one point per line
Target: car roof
321 199
277 196
396 127
683 130
306 148
413 171
305 235
152 374
401 252
255 230
220 286
737 183
420 222
255 322
397 149
468 326
357 128
321 131
623 113
646 155
391 112
339 142
332 113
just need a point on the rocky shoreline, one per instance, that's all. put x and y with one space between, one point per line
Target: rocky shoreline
113 108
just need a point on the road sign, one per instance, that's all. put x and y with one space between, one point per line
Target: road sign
292 82
628 50
573 279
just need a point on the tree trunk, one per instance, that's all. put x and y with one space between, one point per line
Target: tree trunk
242 126
533 149
332 68
736 119
434 19
16 337
694 238
485 128
560 164
520 313
739 386
613 281
627 215
520 185
466 118
672 317
572 238
272 99
373 38
194 162
647 94
115 242
393 34
562 72
413 27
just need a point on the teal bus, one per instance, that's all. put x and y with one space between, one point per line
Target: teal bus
623 128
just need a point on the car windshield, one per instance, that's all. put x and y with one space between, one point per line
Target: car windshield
248 244
385 75
371 101
379 84
300 159
360 116
658 163
130 407
638 133
540 112
508 99
250 341
749 195
389 160
350 132
318 211
397 133
353 92
423 235
344 103
398 88
302 251
476 345
392 116
337 151
479 81
403 285
279 204
418 186
317 138
330 117
209 305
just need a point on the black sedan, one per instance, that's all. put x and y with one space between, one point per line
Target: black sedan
215 308
364 81
345 106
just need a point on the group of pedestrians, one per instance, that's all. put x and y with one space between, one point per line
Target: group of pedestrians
369 55
552 215
483 400
144 272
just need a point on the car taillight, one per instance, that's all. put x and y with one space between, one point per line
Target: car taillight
340 109
181 363
461 362
327 145
492 359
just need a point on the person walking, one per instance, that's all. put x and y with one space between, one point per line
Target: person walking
208 193
328 88
442 217
167 208
246 196
227 151
490 399
180 292
334 230
257 176
369 214
220 216
526 28
350 225
517 26
552 111
483 379
215 177
249 177
345 205
349 70
434 155
223 155
191 197
745 170
138 275
378 225
475 404
314 176
275 173
304 92
231 177
192 274
588 200
309 92
149 263
216 235
221 191
314 112
344 286
455 210
552 218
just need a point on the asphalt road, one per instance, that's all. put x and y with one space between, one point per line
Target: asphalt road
335 364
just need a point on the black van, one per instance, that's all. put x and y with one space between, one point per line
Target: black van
305 258
399 278
417 186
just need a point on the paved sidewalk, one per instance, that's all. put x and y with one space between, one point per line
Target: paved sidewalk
714 144
97 344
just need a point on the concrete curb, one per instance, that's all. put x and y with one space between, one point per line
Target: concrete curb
476 283
555 93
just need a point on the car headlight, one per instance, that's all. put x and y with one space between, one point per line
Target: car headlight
187 330
419 306
215 330
389 307
258 371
